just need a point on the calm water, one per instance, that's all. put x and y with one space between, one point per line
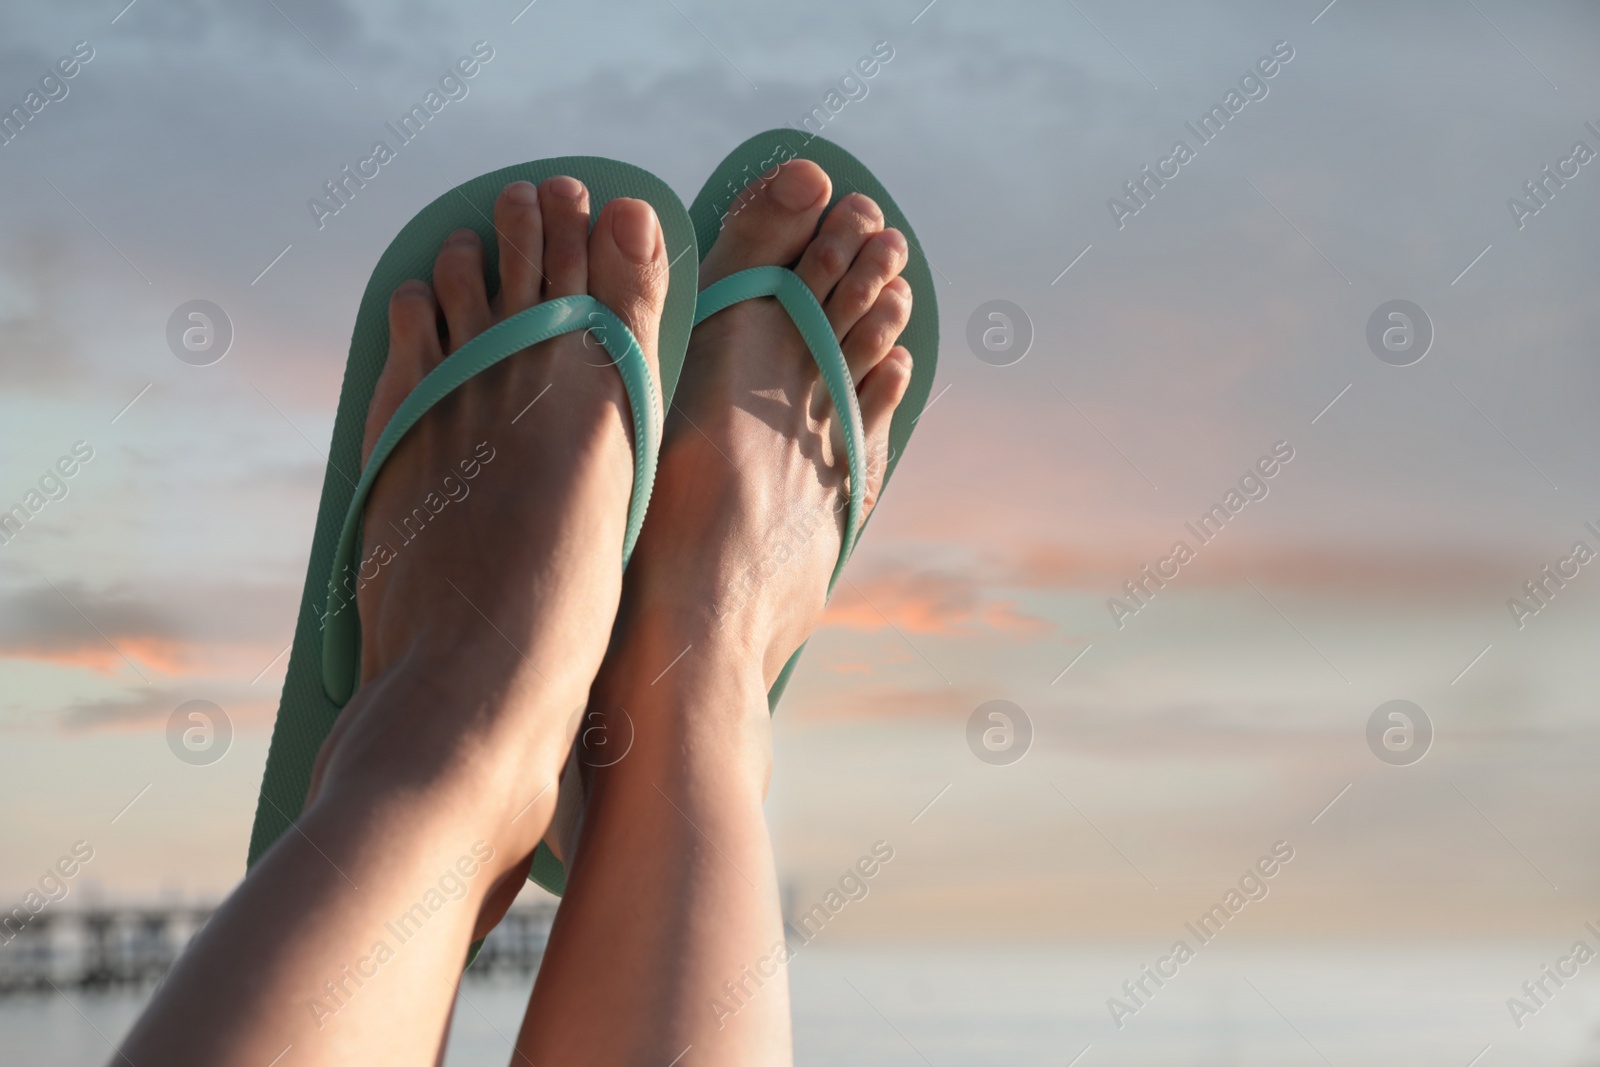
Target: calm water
1355 1006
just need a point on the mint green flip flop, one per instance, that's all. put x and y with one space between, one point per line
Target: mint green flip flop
324 664
756 157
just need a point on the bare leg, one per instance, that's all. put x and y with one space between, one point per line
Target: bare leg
481 634
670 937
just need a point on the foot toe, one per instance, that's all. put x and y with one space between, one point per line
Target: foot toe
564 206
880 259
458 279
414 350
871 338
769 223
848 227
628 268
880 393
519 229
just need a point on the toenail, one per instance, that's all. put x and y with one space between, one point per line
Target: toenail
895 240
411 289
462 237
565 187
865 206
522 193
794 190
633 227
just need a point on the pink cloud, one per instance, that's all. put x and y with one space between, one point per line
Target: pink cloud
926 602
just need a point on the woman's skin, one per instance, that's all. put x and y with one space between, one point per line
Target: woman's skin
672 892
483 636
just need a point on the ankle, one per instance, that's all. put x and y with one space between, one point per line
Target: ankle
476 734
422 831
688 703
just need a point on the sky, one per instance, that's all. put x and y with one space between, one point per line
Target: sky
1173 349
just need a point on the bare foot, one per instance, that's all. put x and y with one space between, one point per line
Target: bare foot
748 516
491 563
483 624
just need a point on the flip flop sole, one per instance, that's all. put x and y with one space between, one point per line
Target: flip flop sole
305 713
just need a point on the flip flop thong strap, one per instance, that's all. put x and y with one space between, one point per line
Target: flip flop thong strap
341 628
812 322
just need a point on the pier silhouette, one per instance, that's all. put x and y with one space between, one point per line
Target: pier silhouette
105 946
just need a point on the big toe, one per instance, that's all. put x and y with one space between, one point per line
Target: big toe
770 222
628 268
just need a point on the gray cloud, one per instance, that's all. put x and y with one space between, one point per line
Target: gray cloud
140 708
43 621
38 342
37 621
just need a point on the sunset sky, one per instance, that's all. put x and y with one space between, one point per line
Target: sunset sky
1177 350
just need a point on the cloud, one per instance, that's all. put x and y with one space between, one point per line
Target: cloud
145 706
1399 571
76 626
941 703
927 602
37 347
1044 566
140 708
187 633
